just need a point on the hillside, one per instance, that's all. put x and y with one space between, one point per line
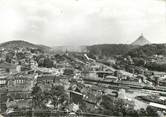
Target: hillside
21 43
73 48
110 49
148 50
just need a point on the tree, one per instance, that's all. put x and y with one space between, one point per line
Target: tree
139 61
45 62
112 106
68 71
115 107
142 112
20 55
41 62
36 96
151 111
48 63
59 96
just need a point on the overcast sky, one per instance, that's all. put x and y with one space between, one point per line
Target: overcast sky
82 22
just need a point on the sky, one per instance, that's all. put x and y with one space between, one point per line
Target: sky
82 22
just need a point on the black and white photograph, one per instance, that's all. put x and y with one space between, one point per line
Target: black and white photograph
82 58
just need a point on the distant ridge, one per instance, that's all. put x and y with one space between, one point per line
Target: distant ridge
73 48
110 49
23 44
141 41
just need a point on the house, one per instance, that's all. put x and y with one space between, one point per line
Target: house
90 101
3 99
5 70
159 74
111 78
142 78
91 97
103 74
123 74
68 71
111 92
53 71
3 75
33 64
131 83
8 67
3 82
48 79
156 105
162 82
19 104
95 67
76 97
20 85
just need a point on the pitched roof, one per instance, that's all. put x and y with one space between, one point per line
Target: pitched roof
7 65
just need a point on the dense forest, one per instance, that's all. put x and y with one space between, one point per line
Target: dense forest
139 54
110 49
148 50
143 53
125 49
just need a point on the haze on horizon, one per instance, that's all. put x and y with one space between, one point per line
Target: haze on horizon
82 22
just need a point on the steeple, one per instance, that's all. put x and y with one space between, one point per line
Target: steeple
66 52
